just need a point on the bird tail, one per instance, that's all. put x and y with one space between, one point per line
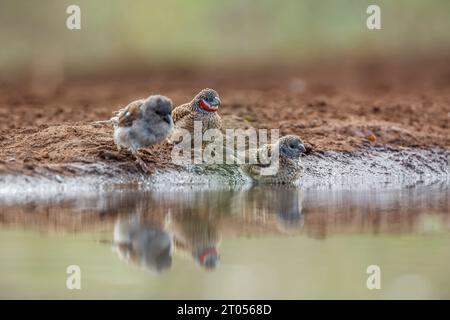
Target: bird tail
102 121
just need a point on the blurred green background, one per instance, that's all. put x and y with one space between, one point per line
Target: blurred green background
120 33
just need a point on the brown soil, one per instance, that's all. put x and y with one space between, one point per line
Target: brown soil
340 106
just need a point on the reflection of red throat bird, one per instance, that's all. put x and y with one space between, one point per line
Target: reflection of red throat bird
197 236
207 253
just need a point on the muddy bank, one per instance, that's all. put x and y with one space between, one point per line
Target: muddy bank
362 170
387 118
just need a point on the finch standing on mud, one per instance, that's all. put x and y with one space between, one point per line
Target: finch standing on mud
203 107
143 123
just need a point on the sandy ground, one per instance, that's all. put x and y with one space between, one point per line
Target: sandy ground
346 107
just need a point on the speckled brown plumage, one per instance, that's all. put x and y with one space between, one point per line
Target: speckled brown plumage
290 166
185 115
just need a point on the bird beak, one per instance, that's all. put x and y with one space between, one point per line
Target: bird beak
216 102
168 118
302 148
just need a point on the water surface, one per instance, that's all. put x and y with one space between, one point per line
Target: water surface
260 242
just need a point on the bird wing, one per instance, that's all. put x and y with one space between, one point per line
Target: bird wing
181 111
261 155
254 169
131 112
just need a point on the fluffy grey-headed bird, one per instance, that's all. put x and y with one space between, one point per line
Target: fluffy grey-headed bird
143 123
290 166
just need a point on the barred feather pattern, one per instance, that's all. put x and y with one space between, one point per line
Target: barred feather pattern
289 171
185 115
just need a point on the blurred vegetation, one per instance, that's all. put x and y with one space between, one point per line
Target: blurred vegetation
207 32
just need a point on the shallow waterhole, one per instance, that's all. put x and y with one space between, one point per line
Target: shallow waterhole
247 242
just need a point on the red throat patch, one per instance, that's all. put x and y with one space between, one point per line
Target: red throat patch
207 252
206 106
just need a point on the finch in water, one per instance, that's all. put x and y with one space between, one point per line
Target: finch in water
290 166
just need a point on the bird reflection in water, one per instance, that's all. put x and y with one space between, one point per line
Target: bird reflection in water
143 243
279 207
196 222
287 204
197 234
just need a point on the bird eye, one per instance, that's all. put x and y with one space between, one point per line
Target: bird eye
291 146
160 112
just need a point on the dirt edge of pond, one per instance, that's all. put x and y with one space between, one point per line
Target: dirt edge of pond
358 118
369 168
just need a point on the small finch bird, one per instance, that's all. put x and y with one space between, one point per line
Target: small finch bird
143 123
202 108
290 166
